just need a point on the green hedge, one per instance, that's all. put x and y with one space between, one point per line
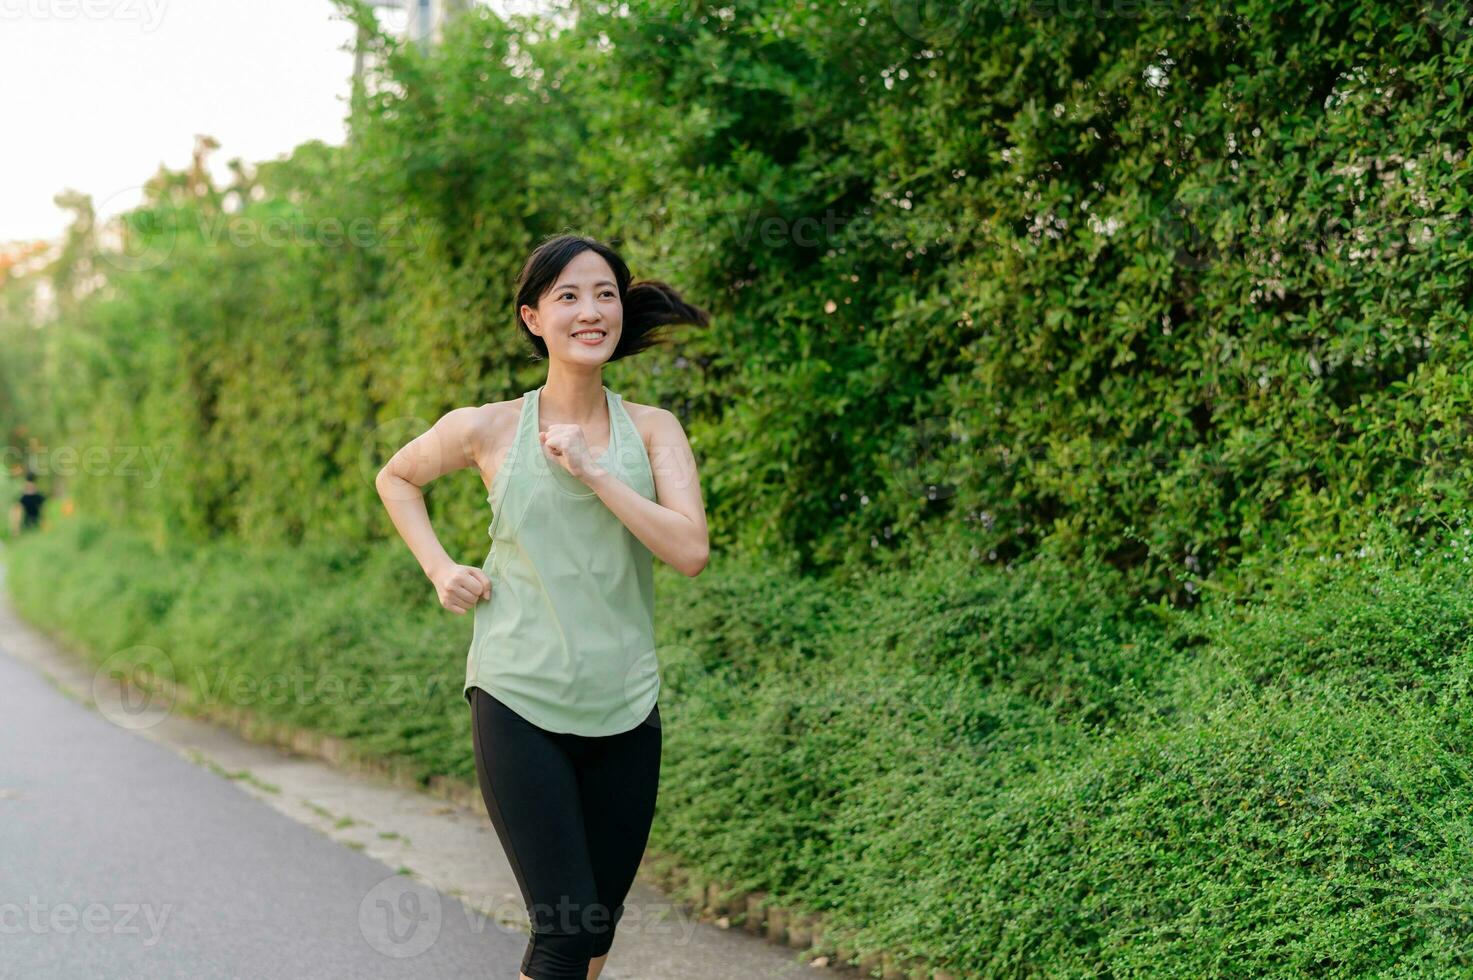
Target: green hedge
1070 783
1167 287
1033 324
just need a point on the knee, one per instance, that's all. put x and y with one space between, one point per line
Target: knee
566 937
603 935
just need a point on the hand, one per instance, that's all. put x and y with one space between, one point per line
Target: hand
563 443
460 587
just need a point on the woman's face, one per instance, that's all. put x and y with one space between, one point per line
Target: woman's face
581 317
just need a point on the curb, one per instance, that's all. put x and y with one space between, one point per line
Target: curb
710 900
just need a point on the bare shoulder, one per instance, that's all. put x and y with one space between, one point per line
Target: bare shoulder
672 460
500 415
654 423
495 428
486 424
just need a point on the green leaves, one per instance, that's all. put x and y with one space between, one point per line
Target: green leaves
1032 226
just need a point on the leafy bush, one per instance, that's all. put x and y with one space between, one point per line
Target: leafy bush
1168 292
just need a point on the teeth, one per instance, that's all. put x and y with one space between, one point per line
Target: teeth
587 333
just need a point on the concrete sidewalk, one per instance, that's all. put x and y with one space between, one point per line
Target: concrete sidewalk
450 847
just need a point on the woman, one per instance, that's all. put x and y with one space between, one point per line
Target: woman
562 677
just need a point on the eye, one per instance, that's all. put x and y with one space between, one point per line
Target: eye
566 294
609 292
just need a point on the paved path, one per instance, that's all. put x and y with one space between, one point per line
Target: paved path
153 845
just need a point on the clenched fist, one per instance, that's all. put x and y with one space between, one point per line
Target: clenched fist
563 443
460 587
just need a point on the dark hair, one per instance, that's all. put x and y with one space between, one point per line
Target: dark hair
648 304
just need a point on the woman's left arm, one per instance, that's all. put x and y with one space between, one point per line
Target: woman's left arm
673 525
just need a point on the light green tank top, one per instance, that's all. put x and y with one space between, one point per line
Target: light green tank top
567 639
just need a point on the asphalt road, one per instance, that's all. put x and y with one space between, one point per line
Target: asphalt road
120 859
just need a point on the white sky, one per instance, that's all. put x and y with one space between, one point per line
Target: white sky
99 93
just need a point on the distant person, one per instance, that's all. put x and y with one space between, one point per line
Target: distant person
29 507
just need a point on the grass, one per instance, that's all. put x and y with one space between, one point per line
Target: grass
1006 772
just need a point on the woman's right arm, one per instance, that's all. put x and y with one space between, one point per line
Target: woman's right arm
453 443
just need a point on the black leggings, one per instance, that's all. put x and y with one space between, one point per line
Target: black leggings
573 813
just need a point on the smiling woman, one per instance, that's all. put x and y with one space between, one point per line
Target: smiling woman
562 676
543 290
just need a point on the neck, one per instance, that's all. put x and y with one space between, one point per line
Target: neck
576 397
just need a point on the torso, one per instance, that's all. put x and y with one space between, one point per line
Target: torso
500 426
567 637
